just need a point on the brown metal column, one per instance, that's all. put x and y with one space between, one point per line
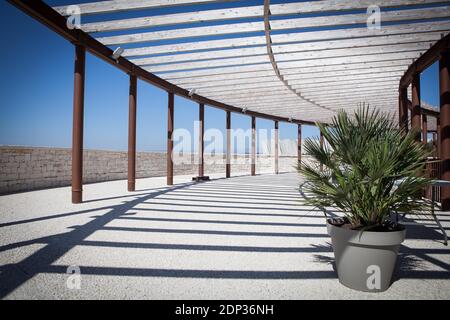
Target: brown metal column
321 145
415 111
78 117
276 147
132 104
438 134
201 143
253 159
424 129
170 117
444 90
299 143
228 164
403 109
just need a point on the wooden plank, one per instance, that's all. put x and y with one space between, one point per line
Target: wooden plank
359 96
346 83
219 95
346 52
365 65
282 94
290 76
343 78
301 61
204 55
342 5
286 24
237 28
203 64
273 85
290 54
195 46
201 16
302 82
317 93
111 6
357 42
320 38
349 60
361 18
357 32
344 73
174 19
222 83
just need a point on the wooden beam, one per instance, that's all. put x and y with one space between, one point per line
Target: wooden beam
299 144
78 124
132 105
253 151
170 128
415 111
425 60
228 151
444 125
424 129
276 148
113 6
201 143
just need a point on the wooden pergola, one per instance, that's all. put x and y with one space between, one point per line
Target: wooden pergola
297 62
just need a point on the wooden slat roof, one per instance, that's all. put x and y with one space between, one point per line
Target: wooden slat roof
298 59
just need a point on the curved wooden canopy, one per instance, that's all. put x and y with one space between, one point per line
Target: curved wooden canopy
302 60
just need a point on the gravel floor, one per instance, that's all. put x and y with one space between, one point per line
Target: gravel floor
239 238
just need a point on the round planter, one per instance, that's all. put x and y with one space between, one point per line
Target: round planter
365 260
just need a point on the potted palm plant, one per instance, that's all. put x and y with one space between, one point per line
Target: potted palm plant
371 170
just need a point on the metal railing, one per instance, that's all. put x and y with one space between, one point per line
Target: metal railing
433 170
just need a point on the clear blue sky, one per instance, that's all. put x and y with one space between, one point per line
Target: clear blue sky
36 86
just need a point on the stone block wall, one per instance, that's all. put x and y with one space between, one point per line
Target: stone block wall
30 168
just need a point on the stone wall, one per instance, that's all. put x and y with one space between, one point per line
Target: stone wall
29 168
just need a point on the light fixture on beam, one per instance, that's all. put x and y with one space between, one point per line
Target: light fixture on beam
191 92
290 119
244 110
117 53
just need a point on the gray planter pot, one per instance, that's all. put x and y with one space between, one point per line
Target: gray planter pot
365 260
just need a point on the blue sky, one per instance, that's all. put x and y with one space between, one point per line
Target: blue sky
36 86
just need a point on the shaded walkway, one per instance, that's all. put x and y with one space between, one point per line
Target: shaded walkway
245 237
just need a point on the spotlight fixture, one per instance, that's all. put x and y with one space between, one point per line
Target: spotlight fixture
117 53
191 92
244 110
290 119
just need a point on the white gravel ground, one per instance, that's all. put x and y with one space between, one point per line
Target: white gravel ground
240 238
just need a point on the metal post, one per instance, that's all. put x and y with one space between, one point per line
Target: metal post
253 160
415 111
170 117
444 90
403 109
438 134
276 147
78 118
321 146
201 132
424 129
228 164
132 104
299 144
